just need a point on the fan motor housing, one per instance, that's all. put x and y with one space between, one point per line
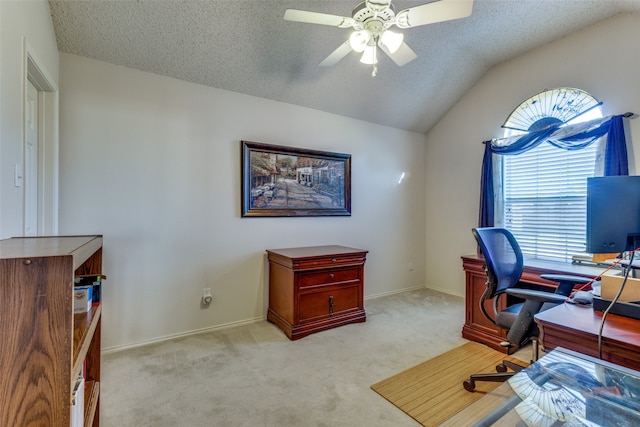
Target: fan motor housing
362 13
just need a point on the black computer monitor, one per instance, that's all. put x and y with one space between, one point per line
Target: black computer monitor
613 214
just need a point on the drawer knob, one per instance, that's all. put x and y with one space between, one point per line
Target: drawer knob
333 260
331 276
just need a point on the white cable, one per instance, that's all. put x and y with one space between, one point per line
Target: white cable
613 301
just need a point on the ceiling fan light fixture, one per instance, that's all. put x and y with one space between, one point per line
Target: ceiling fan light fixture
370 55
392 40
358 40
370 22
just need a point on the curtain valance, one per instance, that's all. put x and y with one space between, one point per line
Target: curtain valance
570 137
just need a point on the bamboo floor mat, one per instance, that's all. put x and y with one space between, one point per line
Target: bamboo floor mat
432 391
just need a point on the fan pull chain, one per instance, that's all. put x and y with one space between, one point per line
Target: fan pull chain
374 72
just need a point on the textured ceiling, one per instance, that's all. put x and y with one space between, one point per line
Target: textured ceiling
245 46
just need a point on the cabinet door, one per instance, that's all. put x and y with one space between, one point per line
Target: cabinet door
327 302
476 285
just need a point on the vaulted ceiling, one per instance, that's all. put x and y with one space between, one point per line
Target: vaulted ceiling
246 46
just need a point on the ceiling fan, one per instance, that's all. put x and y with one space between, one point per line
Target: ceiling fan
371 20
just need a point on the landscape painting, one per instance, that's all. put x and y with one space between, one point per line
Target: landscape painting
285 181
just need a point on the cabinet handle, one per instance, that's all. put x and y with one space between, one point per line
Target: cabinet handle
331 276
331 306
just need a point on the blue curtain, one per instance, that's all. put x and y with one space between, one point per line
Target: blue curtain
572 137
486 216
615 158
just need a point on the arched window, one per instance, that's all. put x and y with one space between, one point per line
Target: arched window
541 193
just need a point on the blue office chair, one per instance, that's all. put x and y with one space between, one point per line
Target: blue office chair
504 265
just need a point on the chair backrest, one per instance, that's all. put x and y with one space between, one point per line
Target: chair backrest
502 256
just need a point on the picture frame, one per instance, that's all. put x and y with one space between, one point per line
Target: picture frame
280 181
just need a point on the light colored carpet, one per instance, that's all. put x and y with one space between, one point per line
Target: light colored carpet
254 376
432 391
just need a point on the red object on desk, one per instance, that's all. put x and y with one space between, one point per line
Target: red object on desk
576 328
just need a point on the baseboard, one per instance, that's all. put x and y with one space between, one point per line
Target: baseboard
445 291
398 291
115 349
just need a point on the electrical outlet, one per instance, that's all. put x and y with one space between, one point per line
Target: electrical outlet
206 296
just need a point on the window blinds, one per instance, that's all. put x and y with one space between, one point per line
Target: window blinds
545 199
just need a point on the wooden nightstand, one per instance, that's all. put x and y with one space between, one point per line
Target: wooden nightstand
315 288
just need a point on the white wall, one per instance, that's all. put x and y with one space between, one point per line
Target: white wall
603 60
153 164
25 26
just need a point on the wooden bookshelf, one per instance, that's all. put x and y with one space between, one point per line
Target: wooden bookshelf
44 345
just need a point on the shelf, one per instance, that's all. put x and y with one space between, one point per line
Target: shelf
91 393
84 327
80 247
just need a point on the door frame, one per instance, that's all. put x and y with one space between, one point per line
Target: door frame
48 144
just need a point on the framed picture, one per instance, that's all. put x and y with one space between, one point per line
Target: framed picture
285 181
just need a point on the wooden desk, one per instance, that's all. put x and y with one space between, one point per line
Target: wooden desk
476 326
576 328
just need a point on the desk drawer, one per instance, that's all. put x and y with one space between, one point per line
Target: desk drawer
328 302
329 277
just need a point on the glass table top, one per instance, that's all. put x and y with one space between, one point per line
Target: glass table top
563 388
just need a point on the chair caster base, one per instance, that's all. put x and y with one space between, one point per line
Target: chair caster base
469 385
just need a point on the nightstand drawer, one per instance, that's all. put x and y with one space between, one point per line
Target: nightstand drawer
327 302
329 277
333 261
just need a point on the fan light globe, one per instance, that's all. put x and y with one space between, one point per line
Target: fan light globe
358 40
392 40
370 55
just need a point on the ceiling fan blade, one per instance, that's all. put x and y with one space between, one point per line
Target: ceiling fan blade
317 18
343 50
402 56
437 11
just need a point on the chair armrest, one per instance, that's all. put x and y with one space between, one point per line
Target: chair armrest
565 282
579 280
542 296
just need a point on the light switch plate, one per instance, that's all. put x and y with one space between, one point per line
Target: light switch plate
17 175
